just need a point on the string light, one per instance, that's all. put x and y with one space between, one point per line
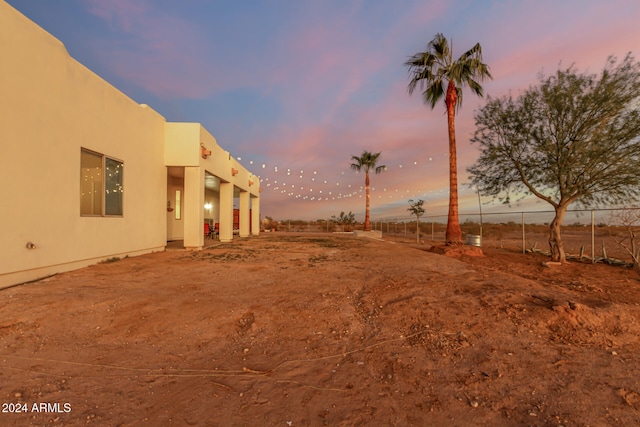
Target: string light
338 182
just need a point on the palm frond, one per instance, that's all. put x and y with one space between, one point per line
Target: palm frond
458 98
440 46
357 163
432 70
475 51
366 162
434 93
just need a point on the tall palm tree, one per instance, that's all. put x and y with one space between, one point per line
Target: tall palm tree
439 76
367 161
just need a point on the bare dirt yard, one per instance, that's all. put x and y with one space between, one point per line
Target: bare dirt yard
323 330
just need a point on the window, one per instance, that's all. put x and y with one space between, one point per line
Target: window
113 187
178 204
101 184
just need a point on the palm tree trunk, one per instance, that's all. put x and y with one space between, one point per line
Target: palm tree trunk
367 221
454 233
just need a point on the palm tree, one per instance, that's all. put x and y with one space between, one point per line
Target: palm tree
367 161
439 76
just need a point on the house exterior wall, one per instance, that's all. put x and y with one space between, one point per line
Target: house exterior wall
52 107
182 148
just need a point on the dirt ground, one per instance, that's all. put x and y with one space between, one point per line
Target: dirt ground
323 330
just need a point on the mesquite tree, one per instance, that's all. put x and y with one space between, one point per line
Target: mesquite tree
416 209
573 138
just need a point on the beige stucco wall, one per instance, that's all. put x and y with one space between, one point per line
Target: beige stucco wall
182 148
50 107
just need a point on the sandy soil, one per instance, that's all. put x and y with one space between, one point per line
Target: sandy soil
315 330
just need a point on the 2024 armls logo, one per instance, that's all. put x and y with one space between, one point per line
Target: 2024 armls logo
43 407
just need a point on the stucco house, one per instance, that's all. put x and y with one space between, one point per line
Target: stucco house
89 174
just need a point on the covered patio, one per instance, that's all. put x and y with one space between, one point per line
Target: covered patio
206 185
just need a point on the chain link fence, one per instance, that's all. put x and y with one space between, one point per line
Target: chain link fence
588 234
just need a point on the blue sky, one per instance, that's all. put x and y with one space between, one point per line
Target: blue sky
295 88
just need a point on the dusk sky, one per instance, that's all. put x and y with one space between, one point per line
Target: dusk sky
295 88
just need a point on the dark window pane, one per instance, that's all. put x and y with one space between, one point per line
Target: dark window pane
90 183
113 188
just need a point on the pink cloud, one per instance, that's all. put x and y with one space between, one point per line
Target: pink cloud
122 14
531 39
163 53
323 60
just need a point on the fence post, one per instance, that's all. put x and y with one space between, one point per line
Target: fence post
432 231
524 250
480 207
593 238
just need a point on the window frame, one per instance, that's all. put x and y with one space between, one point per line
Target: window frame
178 208
103 184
